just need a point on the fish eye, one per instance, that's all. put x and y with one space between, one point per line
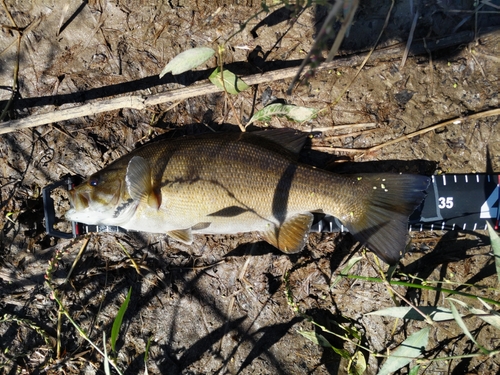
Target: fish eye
93 181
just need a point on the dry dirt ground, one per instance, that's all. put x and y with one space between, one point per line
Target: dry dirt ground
219 306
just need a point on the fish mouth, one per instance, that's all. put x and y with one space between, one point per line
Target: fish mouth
79 200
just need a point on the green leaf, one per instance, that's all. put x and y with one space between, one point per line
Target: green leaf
146 355
115 330
409 349
232 84
187 60
414 370
495 245
146 352
464 328
358 364
316 338
320 340
437 313
353 332
292 112
342 352
492 319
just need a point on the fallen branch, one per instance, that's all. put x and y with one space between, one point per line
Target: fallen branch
455 121
141 102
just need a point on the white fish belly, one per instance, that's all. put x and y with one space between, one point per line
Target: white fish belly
159 221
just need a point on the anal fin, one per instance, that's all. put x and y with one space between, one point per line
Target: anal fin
291 236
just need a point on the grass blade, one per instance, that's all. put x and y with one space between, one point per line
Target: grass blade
409 349
146 355
117 323
320 340
436 313
464 328
107 369
187 60
490 318
495 245
316 338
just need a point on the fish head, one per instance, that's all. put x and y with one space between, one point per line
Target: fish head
101 199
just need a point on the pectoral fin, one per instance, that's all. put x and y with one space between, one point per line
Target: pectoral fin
182 235
292 235
138 181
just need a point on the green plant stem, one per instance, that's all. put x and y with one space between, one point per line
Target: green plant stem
420 286
22 321
80 331
59 326
226 94
445 281
477 354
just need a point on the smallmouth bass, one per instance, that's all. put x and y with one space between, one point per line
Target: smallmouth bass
230 183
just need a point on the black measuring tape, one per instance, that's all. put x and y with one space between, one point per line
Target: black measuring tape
453 202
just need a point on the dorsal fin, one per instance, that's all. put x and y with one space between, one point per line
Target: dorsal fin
290 139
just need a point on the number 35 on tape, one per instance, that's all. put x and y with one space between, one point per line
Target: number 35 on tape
464 201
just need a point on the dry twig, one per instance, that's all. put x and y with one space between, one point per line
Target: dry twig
141 102
455 121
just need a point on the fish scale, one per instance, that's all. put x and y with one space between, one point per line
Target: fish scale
253 187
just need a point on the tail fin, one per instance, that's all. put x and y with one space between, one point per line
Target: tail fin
389 199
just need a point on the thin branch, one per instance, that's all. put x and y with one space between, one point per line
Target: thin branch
226 94
140 102
353 134
343 30
455 121
344 126
410 39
